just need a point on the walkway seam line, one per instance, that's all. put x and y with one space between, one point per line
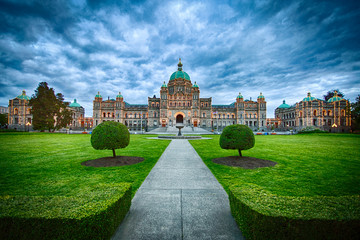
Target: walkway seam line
182 224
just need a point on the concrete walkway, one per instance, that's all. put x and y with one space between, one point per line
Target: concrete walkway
180 199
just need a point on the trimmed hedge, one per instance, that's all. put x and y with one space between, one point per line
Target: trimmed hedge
263 215
95 215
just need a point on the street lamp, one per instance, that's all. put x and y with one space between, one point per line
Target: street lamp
28 124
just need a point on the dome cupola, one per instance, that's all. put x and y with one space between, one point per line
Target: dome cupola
180 73
23 96
240 96
309 98
335 98
74 104
284 105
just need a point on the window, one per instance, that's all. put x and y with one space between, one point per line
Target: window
135 115
16 112
104 114
204 115
315 113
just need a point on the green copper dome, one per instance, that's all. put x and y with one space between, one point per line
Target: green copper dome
195 85
180 73
240 96
119 95
23 96
335 98
98 95
309 98
164 85
284 105
261 95
74 104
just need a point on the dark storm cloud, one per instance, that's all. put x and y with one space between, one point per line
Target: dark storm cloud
281 48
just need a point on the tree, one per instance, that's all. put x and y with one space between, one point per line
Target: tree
331 93
64 115
3 119
110 135
355 114
49 110
238 137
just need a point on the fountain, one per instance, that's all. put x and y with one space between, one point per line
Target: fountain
179 126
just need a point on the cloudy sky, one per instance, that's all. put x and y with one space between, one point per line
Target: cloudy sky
280 48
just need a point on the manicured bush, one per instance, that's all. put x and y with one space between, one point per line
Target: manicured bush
237 136
93 216
311 129
263 215
110 135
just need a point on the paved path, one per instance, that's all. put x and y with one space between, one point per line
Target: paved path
180 199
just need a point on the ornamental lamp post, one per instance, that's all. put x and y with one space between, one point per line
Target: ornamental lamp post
28 124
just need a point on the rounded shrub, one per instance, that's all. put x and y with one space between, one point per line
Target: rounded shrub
237 136
110 135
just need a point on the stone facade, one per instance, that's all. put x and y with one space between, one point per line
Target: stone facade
180 102
332 115
20 117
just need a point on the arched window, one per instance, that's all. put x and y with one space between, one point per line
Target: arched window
343 113
155 114
16 111
324 113
202 104
255 115
250 115
315 113
300 113
329 113
224 115
113 115
135 115
228 116
206 104
126 115
204 115
157 104
104 114
108 114
152 104
175 104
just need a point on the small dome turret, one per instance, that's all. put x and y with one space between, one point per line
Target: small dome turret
23 96
261 96
195 85
309 98
284 105
164 85
98 95
335 98
74 104
119 95
240 96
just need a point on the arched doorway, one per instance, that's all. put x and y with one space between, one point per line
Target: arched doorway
179 118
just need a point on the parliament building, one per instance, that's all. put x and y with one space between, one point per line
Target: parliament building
180 102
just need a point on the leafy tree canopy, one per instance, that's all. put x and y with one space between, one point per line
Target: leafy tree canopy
49 110
110 135
355 113
237 136
3 119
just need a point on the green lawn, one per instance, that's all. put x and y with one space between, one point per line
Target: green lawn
45 164
308 165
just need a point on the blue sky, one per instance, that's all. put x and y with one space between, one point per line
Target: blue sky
283 49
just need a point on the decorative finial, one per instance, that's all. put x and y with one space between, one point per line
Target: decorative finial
260 93
23 92
74 100
335 93
180 65
309 95
283 101
98 93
